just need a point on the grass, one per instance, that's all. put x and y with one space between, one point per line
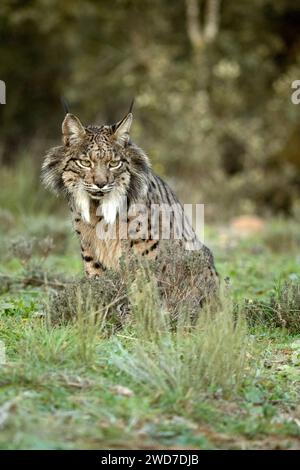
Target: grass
229 381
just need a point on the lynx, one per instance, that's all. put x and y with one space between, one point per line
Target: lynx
101 171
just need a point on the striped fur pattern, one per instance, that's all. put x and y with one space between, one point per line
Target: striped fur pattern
98 168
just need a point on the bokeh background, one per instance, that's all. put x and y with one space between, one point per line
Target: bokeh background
212 86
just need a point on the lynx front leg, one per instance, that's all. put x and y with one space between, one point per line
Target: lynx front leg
92 266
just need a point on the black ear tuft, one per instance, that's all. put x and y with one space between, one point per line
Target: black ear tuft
131 106
65 105
122 129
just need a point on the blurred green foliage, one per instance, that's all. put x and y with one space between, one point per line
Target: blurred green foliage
213 110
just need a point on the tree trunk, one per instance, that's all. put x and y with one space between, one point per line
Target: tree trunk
212 18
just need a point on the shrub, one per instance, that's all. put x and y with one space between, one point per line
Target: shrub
178 280
94 301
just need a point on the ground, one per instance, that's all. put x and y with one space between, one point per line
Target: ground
64 387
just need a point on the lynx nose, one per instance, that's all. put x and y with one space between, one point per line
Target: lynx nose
100 182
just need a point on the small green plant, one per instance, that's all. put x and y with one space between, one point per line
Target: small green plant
17 307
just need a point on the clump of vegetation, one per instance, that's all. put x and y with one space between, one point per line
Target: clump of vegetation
100 300
180 281
184 281
281 310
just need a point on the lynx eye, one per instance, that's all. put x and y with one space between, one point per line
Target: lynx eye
84 163
115 165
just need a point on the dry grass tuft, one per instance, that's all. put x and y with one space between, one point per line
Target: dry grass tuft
207 355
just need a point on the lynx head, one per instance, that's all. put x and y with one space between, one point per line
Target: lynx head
97 163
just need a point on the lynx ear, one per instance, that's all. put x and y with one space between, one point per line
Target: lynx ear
122 129
72 129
